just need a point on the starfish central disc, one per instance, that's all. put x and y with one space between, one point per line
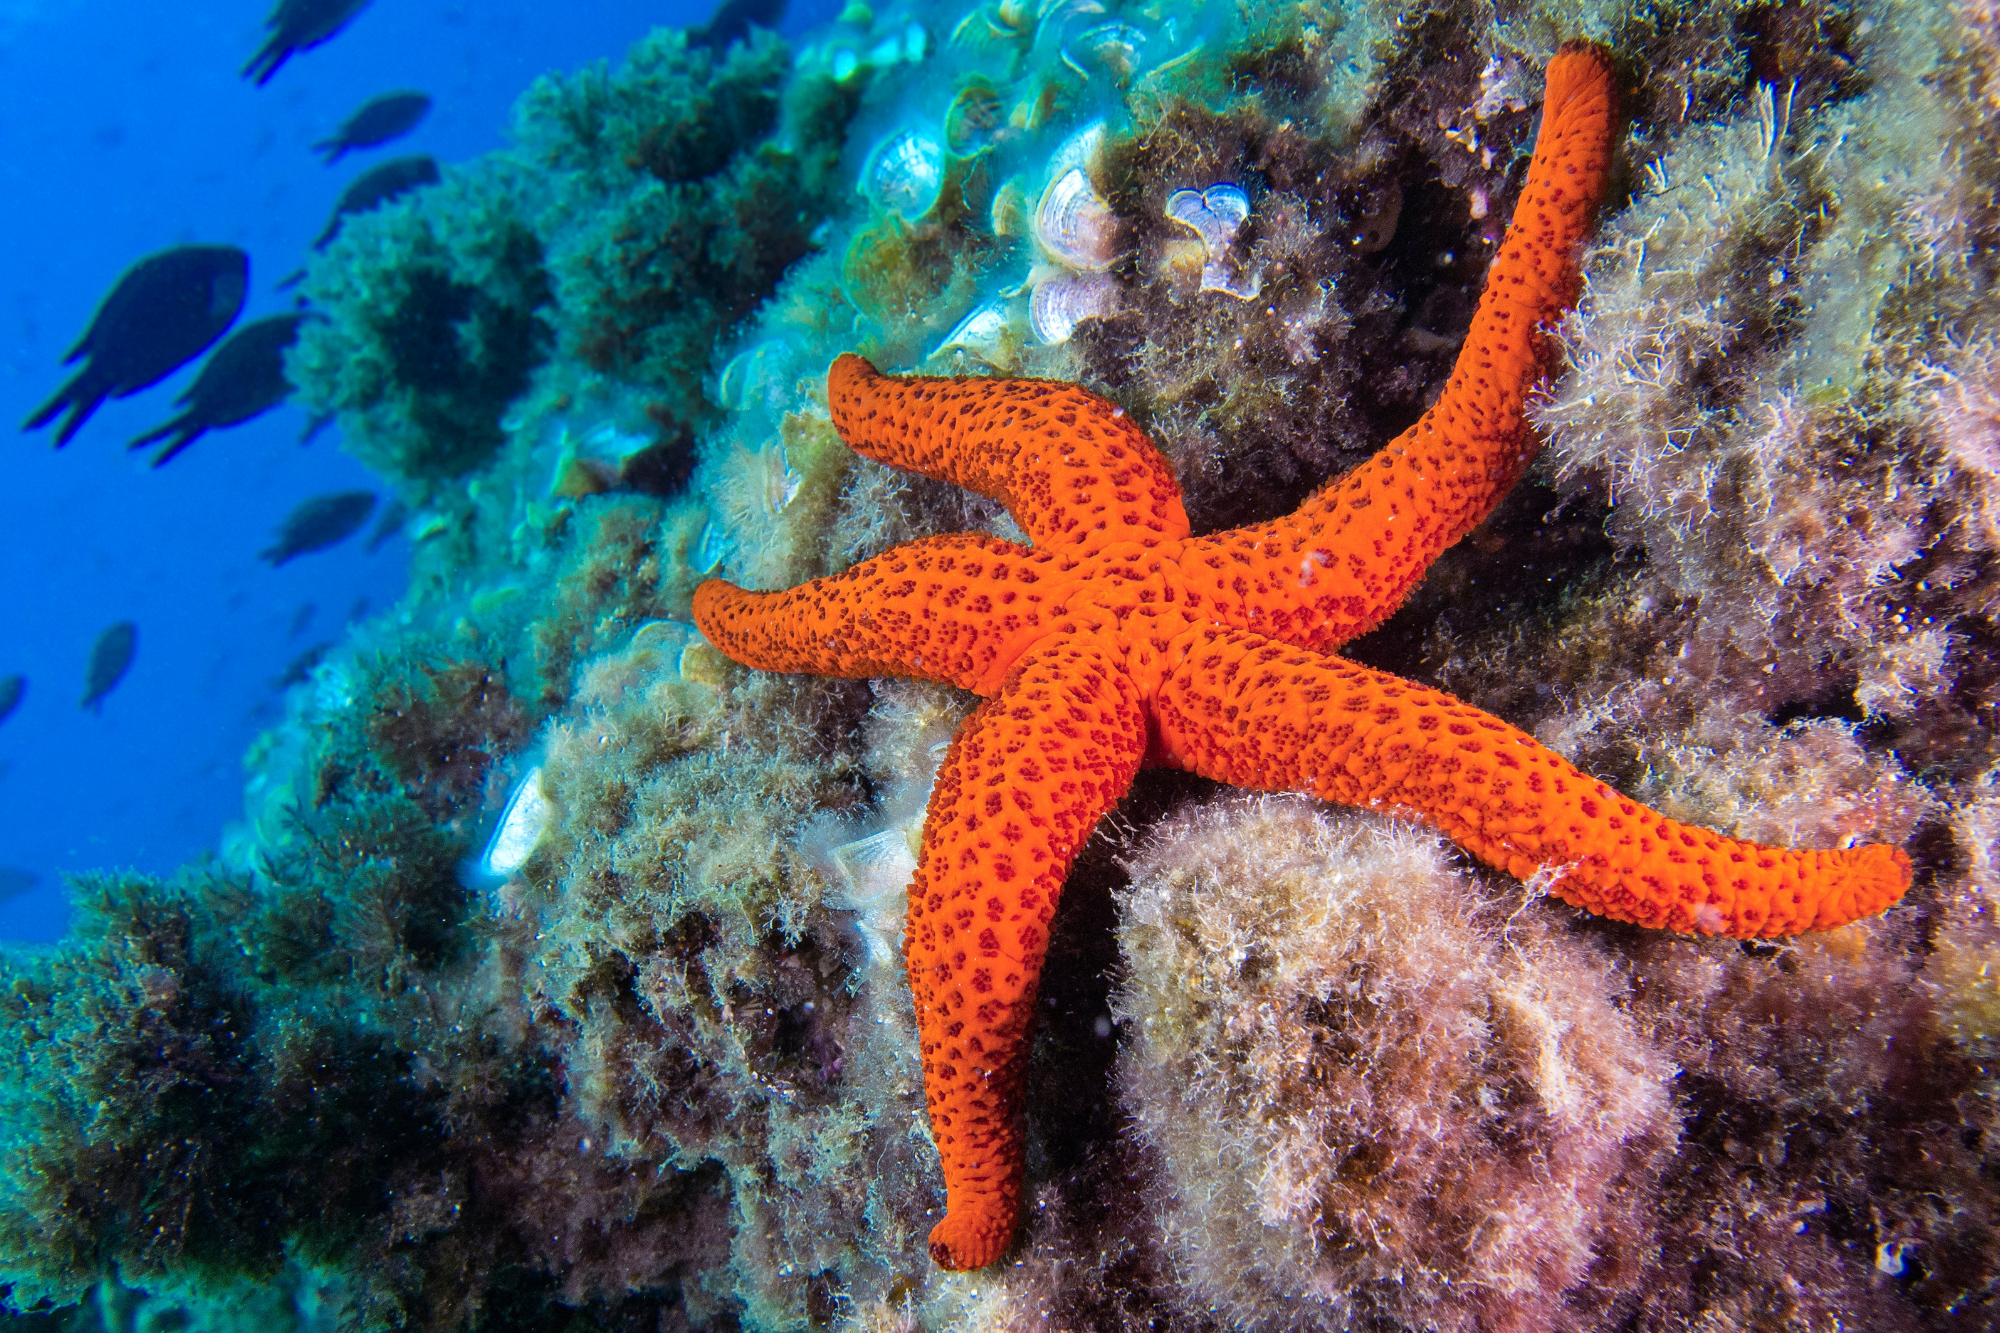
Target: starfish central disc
1118 640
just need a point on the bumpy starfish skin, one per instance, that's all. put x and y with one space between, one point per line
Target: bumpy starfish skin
1118 640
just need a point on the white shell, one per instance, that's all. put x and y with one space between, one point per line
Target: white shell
875 868
611 445
661 636
751 374
712 550
979 333
781 479
521 827
1075 225
1111 48
1081 149
1220 276
1058 14
1217 215
904 174
1062 302
877 871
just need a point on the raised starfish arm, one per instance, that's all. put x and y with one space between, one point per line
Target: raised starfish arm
1246 710
1025 782
1073 470
1350 554
956 608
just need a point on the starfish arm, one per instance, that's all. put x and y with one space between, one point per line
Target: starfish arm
956 608
1243 709
1072 469
1026 780
1351 553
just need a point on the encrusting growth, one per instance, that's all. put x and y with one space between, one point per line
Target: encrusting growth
1118 640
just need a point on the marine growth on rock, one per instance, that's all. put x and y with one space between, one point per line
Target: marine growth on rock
558 973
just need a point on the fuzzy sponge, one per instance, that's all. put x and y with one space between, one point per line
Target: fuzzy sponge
1372 1094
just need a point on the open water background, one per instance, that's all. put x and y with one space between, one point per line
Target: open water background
125 128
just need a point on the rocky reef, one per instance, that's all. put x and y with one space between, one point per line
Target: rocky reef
552 978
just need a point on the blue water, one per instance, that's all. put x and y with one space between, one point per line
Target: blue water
125 129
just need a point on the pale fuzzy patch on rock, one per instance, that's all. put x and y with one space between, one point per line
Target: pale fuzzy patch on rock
1369 1091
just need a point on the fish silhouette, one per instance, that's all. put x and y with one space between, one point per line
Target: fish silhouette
11 690
110 658
732 21
245 378
164 312
320 522
369 191
300 668
380 119
299 25
15 881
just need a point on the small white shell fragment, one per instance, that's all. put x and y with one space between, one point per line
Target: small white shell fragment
1111 48
520 830
610 444
876 871
904 174
1081 149
1220 276
751 374
979 333
711 550
874 868
1216 215
661 636
781 480
1062 302
1061 13
1075 225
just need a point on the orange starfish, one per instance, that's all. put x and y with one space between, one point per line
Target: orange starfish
1119 640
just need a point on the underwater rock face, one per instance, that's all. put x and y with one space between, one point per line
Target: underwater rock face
1296 1069
643 211
1375 1057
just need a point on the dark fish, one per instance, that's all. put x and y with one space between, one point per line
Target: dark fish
299 25
390 116
733 20
398 176
300 668
322 521
110 657
11 690
15 881
388 525
163 313
244 379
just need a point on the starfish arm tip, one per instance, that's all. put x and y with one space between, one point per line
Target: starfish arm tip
972 1237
